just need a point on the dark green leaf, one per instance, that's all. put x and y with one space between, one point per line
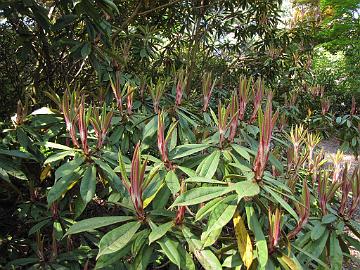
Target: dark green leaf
95 222
117 238
172 182
88 184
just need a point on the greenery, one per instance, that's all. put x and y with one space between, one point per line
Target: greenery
178 134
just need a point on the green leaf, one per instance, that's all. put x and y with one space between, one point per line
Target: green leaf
111 176
112 5
211 238
139 240
88 184
189 172
315 248
69 167
288 262
10 168
232 261
208 166
219 217
61 186
317 231
57 229
176 253
246 189
303 251
86 50
64 21
277 163
117 238
206 258
17 153
201 194
150 128
23 261
198 179
4 175
242 151
207 209
159 231
336 255
112 258
143 258
282 202
172 182
58 156
38 226
56 146
187 150
329 218
96 222
255 227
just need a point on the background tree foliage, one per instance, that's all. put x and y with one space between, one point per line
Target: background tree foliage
49 45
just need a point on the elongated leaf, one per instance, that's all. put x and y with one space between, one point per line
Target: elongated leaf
276 163
61 186
329 218
208 166
59 156
246 189
317 231
207 209
96 222
189 172
288 262
304 252
17 153
69 167
315 248
255 227
38 226
176 253
10 168
117 238
4 175
57 146
172 182
282 202
111 176
336 255
219 217
242 151
211 238
143 258
243 240
159 231
149 199
206 258
112 258
23 261
201 194
198 179
88 184
187 150
150 128
233 261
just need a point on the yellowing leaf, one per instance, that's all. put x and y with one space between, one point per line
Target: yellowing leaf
45 172
71 185
148 200
243 240
289 262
